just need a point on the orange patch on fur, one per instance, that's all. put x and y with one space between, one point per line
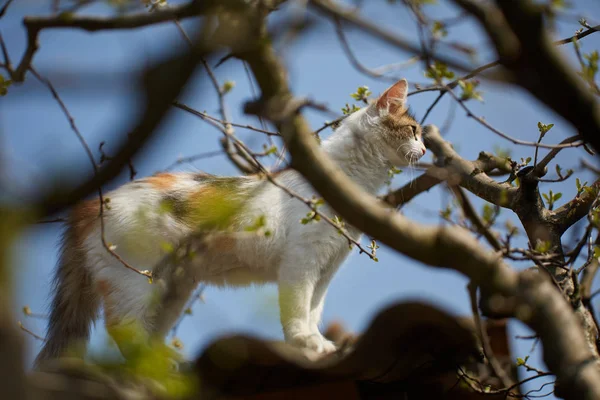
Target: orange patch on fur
161 181
222 243
202 191
106 290
83 216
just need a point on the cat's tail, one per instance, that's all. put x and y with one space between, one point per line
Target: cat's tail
75 303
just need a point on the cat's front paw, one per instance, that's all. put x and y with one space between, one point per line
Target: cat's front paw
313 341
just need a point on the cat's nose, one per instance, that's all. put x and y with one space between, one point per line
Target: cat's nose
423 150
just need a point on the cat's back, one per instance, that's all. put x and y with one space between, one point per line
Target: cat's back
145 217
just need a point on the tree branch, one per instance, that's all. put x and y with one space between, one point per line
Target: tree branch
468 174
434 175
571 212
548 313
524 47
35 25
332 10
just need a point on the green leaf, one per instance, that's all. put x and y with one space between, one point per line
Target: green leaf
546 197
362 93
468 90
558 5
446 213
439 30
590 65
227 86
589 190
4 84
259 223
394 171
167 247
311 216
542 246
502 152
557 196
488 213
521 361
347 110
439 71
318 201
215 207
543 128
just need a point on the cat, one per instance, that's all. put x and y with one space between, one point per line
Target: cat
145 214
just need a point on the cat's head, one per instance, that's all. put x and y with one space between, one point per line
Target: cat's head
394 127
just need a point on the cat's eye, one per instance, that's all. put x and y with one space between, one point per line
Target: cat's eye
414 131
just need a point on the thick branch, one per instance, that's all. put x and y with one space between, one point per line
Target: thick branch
434 175
468 174
548 313
571 212
525 48
35 25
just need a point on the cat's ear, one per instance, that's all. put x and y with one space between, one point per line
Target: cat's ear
394 98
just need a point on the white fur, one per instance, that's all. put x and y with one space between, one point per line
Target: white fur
302 259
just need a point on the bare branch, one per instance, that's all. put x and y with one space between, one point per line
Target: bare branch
485 340
92 24
503 135
29 332
162 85
204 115
447 247
578 36
435 174
472 215
571 212
5 7
541 166
353 60
467 174
523 45
336 12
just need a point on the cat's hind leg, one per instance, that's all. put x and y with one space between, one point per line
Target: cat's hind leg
128 306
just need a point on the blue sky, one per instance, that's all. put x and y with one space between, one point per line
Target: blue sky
94 74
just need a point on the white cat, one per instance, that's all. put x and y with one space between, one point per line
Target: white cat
144 215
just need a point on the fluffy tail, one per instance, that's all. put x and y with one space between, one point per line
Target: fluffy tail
75 302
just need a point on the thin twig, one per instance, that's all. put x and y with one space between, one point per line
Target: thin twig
5 7
578 36
589 166
352 58
51 221
38 337
332 10
204 115
472 215
90 155
498 132
430 108
485 340
309 202
329 124
189 159
539 167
